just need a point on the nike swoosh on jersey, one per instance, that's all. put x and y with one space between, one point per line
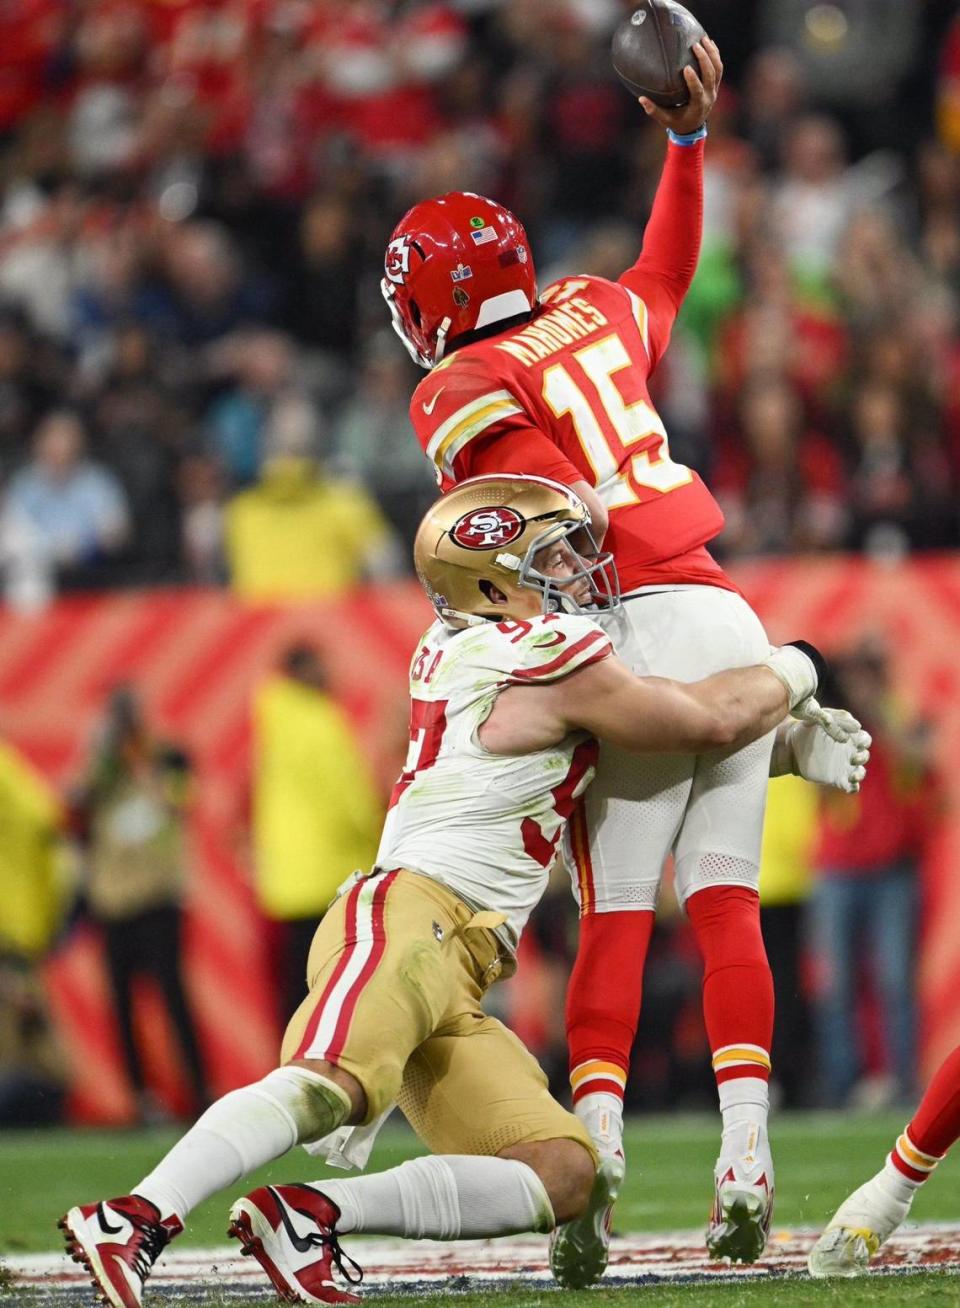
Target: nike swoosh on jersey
429 408
300 1242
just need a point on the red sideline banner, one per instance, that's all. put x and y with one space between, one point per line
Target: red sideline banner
196 657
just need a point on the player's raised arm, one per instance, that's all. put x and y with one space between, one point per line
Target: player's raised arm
671 243
727 710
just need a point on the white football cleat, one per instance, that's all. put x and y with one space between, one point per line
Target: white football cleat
579 1249
858 1228
118 1241
291 1230
743 1200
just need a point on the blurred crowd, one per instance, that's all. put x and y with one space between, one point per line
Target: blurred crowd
194 200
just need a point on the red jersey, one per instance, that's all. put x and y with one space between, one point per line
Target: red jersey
565 396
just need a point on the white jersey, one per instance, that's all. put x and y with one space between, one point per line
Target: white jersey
488 825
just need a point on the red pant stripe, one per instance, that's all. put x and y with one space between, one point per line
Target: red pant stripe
335 975
335 1048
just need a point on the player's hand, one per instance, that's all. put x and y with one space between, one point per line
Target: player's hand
838 724
820 757
703 92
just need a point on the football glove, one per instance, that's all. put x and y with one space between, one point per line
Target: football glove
837 723
830 748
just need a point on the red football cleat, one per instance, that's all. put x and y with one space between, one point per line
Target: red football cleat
118 1241
291 1231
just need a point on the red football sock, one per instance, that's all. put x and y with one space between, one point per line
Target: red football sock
603 999
935 1125
737 984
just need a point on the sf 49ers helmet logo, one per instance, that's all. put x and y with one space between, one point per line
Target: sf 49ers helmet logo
397 261
483 529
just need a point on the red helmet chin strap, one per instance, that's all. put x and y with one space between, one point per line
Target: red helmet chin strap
442 332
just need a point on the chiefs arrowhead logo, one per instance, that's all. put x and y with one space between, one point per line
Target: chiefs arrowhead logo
484 529
397 262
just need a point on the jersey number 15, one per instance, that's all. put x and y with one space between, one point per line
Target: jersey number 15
628 452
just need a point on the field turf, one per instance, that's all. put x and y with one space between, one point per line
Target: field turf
819 1159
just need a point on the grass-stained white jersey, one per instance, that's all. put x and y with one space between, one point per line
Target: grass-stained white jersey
488 825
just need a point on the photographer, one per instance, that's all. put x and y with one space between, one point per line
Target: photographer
130 812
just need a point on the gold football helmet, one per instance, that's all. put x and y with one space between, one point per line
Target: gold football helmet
487 533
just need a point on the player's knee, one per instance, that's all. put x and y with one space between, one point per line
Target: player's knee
726 925
709 904
578 1172
714 908
566 1170
347 1082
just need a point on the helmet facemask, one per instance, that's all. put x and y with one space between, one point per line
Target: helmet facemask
417 353
478 553
594 567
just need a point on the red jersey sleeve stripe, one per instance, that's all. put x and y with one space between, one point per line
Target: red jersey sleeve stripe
591 639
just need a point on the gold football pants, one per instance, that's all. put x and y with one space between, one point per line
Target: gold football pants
397 970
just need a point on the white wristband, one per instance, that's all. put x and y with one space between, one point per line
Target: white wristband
797 672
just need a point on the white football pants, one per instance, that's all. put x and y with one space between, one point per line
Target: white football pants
707 809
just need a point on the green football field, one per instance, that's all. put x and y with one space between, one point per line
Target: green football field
818 1157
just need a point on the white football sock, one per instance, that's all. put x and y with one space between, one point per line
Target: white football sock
456 1196
242 1131
744 1099
892 1182
602 1114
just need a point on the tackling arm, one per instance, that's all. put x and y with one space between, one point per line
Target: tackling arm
643 714
727 710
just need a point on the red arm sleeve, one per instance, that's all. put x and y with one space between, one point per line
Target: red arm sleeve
671 243
522 450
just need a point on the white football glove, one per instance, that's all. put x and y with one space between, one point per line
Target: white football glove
837 723
829 747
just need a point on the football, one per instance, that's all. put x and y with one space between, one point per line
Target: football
652 47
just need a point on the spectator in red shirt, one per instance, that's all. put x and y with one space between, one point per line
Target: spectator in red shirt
864 906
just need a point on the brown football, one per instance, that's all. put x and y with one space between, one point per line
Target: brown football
652 47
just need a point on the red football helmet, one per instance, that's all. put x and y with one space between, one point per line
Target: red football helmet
454 264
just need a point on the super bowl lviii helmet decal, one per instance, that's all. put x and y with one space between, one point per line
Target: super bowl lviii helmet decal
453 265
489 531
